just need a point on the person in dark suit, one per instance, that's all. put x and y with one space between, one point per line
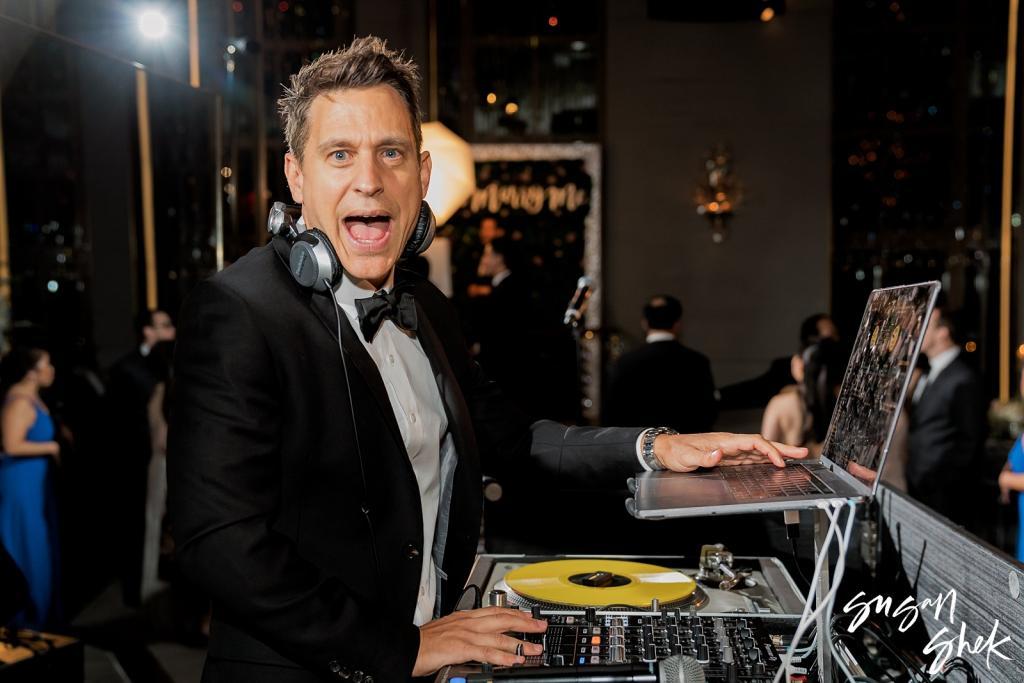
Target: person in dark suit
758 391
328 434
133 383
662 382
504 324
947 423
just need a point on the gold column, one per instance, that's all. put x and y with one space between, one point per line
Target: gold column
193 43
146 182
5 246
218 181
1006 241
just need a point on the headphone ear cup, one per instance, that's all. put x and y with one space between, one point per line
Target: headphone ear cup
423 234
312 260
283 220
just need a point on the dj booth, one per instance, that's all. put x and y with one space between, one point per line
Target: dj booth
897 592
925 593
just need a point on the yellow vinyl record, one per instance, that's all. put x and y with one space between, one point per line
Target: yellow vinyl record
598 582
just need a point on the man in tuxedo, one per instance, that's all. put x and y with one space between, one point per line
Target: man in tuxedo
947 423
133 382
326 446
757 392
662 382
504 324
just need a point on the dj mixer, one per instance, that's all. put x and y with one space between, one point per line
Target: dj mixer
616 638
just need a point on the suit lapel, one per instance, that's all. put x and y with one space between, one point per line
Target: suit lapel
325 309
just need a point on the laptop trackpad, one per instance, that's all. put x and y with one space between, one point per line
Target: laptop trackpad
665 490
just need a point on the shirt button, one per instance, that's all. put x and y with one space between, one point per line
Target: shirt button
412 416
391 358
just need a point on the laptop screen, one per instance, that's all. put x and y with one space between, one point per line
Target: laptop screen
876 378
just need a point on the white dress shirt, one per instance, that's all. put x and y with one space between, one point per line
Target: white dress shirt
500 277
419 410
659 336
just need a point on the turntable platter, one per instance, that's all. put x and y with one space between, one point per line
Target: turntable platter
599 582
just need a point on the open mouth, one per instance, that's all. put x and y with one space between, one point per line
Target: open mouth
368 230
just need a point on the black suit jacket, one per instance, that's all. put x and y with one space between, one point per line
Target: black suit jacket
508 347
268 510
947 438
662 383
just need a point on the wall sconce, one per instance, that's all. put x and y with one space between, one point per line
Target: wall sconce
718 193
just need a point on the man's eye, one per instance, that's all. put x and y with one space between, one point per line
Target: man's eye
340 156
392 154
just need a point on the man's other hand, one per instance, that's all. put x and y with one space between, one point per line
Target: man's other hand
687 452
476 636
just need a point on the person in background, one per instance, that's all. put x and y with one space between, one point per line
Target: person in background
27 506
1012 479
136 397
156 487
948 423
503 323
489 231
663 381
757 392
799 415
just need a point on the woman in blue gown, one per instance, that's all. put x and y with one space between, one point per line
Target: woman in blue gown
1012 479
27 520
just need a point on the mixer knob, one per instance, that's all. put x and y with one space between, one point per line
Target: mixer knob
498 598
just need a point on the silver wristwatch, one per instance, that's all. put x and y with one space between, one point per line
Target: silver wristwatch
647 446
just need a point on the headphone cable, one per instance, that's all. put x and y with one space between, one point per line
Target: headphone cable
364 507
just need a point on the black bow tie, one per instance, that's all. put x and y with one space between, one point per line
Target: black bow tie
400 307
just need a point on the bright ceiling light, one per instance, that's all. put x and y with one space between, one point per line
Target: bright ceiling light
153 24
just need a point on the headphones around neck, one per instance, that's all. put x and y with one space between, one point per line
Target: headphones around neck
311 257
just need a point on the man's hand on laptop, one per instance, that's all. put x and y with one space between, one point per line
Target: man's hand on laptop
687 452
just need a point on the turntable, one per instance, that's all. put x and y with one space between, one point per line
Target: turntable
620 618
768 589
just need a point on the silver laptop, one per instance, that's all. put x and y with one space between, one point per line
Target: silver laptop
858 436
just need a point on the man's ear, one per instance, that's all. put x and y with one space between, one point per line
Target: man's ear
293 172
425 166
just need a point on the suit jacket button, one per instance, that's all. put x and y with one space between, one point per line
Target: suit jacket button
368 679
357 676
334 666
412 552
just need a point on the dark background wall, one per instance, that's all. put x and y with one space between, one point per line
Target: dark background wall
672 91
404 24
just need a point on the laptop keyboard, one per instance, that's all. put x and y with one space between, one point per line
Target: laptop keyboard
754 482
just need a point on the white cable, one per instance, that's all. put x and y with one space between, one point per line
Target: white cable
840 567
828 600
822 557
804 650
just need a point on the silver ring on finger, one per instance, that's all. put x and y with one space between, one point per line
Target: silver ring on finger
519 650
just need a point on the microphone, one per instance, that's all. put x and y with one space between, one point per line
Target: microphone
578 304
674 669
